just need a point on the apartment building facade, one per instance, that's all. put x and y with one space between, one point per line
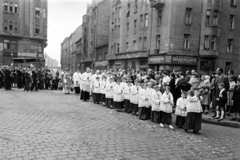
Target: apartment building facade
23 29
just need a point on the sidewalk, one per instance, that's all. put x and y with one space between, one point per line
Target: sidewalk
207 118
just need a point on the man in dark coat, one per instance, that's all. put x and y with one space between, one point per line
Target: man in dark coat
7 78
41 79
35 79
1 79
19 78
27 80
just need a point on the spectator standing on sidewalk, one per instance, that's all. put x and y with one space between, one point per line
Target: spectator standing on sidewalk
236 101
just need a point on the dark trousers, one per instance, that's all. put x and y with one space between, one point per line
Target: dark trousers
34 85
27 86
41 84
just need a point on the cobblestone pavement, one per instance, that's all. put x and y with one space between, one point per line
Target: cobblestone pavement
50 125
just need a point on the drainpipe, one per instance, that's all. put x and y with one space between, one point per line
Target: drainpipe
200 33
150 34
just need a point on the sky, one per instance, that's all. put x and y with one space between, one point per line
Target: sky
64 16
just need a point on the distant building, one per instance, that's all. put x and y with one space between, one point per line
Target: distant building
23 29
51 63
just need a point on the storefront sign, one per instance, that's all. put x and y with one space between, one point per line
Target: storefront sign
101 63
159 59
23 54
184 60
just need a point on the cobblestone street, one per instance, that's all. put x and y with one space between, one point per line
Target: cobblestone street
50 125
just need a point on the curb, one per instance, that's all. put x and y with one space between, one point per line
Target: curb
222 123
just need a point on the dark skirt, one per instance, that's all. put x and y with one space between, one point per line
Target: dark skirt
193 121
96 98
109 102
81 95
180 121
85 95
77 90
155 117
236 107
127 106
133 108
102 96
118 105
144 113
166 118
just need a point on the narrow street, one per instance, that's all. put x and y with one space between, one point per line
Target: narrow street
50 125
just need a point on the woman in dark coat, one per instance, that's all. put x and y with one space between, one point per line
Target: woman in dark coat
7 78
19 78
236 102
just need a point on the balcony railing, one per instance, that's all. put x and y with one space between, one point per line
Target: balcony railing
156 3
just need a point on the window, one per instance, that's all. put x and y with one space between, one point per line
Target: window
215 18
37 30
230 46
44 13
188 16
5 25
158 42
115 30
127 28
140 43
10 26
186 44
128 5
118 29
15 8
127 47
208 18
146 20
118 48
15 26
141 20
128 14
112 32
119 12
112 49
37 12
133 65
134 45
135 26
231 22
146 2
233 3
145 43
113 15
13 45
214 43
159 21
136 6
6 7
10 7
6 44
228 67
206 42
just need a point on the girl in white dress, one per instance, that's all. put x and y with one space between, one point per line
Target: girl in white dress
156 100
118 95
110 93
135 89
144 105
166 108
181 110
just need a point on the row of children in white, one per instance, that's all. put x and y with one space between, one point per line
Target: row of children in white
146 96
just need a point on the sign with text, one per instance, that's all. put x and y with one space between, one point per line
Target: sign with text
184 60
160 59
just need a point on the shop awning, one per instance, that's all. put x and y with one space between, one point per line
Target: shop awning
28 60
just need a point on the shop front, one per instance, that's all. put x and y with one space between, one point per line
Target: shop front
172 62
101 65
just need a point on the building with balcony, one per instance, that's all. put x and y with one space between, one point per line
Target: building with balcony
194 34
23 31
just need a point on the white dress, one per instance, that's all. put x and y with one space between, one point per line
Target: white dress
110 89
156 100
96 86
143 98
135 90
127 92
166 103
117 93
181 104
103 87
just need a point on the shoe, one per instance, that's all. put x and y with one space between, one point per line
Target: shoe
220 119
161 125
216 117
185 130
206 112
196 132
233 119
171 127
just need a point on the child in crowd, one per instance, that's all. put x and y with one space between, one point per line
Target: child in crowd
232 85
156 100
96 90
103 90
110 92
118 95
221 101
166 108
181 110
127 96
143 106
135 89
194 112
